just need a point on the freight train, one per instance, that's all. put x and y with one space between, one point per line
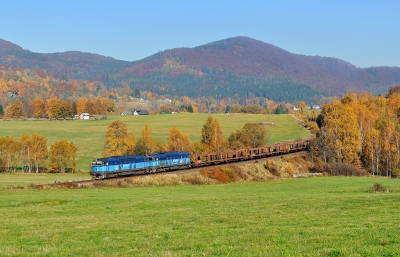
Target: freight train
129 165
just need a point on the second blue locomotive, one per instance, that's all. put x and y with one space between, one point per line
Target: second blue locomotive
117 166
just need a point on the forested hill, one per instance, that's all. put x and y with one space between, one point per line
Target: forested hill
71 64
239 65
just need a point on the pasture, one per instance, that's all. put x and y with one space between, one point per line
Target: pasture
88 135
324 216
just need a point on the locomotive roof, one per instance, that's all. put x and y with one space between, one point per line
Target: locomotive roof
141 157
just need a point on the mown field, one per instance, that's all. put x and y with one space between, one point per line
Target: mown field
325 216
88 135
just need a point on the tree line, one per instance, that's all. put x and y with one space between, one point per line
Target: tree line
55 108
119 142
360 130
27 92
31 153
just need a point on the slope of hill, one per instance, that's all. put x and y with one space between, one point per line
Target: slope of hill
73 64
238 65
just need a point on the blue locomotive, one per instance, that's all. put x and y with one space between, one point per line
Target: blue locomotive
118 166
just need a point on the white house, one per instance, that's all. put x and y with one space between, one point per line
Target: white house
84 116
141 112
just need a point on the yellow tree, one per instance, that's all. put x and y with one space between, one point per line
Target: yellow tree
81 107
39 150
366 119
147 140
16 110
373 151
389 149
301 105
127 90
26 151
217 140
62 156
38 108
9 153
160 147
341 122
131 143
52 107
178 141
116 139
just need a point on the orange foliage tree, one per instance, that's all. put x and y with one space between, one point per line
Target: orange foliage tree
177 140
116 139
62 156
146 144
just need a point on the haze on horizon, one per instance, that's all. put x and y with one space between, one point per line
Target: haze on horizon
364 33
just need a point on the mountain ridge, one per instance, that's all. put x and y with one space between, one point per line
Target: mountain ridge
240 65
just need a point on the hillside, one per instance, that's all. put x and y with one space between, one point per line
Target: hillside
239 65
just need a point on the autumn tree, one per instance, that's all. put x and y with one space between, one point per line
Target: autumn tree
177 140
39 150
217 141
146 144
9 153
116 139
160 147
206 131
366 119
131 143
344 140
252 135
26 151
301 105
16 110
81 106
38 108
51 108
64 110
62 156
372 153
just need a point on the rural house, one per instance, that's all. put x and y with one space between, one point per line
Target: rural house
84 116
141 112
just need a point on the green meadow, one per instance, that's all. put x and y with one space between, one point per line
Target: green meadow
324 216
88 135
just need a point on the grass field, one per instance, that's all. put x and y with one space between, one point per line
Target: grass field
325 216
22 180
88 135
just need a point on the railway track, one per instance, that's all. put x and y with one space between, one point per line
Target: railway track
78 183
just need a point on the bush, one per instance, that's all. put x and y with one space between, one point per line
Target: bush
195 179
289 168
272 167
321 167
345 169
378 188
337 169
221 174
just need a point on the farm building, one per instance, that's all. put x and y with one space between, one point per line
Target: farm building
141 112
84 116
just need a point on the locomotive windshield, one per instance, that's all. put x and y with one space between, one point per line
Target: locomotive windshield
97 163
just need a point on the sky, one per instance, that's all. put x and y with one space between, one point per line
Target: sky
364 33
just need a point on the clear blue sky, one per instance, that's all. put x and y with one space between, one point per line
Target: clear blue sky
363 32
